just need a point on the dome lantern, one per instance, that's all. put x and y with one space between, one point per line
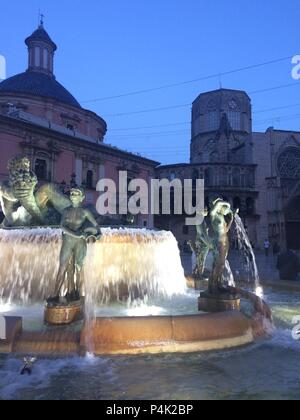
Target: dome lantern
41 51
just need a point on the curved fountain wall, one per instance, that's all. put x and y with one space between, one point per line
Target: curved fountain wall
145 335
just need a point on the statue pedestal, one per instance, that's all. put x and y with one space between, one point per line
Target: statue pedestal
64 314
218 303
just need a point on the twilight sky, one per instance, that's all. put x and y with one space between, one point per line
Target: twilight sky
115 47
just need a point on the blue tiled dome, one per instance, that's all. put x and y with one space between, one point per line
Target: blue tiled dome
38 84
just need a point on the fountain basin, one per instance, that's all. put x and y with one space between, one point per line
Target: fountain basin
13 330
148 334
138 335
167 334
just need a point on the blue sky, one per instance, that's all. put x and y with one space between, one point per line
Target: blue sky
108 48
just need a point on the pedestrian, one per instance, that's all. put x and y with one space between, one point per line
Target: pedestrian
267 247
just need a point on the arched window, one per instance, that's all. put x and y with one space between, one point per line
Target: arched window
89 179
212 121
37 56
236 177
234 115
234 118
40 169
45 58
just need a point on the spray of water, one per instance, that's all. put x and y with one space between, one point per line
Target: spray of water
247 252
228 278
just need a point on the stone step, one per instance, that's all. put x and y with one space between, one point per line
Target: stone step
10 331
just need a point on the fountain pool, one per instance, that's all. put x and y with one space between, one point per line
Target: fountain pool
267 369
132 265
136 303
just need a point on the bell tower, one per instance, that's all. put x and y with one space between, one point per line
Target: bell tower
221 127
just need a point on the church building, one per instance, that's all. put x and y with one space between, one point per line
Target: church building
258 173
40 119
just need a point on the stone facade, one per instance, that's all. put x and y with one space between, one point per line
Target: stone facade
277 154
222 155
259 173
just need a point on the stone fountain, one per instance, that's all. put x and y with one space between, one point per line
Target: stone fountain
79 266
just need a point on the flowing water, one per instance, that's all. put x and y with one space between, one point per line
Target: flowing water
268 369
228 278
247 253
125 264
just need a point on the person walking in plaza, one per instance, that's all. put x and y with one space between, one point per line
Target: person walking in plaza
267 247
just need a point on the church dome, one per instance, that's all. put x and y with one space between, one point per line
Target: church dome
38 84
39 79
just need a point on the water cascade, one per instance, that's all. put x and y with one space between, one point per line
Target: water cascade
124 265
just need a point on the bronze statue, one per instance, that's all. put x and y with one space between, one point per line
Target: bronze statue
76 234
212 235
221 217
24 205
